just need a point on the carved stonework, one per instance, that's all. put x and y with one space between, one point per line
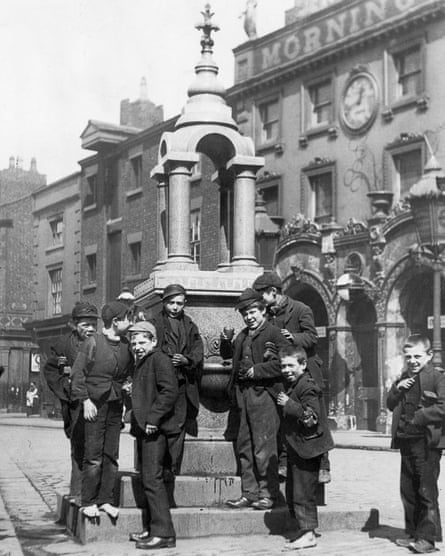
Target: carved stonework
330 269
319 286
353 227
300 225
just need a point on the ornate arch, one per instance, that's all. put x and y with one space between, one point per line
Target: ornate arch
301 275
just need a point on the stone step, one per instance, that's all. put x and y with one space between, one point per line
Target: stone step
208 457
202 522
190 491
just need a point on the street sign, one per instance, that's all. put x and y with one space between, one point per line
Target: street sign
430 322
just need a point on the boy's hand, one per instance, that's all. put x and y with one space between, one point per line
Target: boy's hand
406 383
282 399
178 359
150 429
285 332
89 410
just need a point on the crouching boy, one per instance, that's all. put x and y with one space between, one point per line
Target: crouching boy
307 437
154 393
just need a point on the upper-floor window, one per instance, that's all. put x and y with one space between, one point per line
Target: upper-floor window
56 225
269 115
195 235
404 160
319 192
408 66
135 257
408 170
55 291
136 165
91 268
320 98
91 190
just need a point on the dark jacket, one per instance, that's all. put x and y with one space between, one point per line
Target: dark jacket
154 393
297 317
307 441
99 371
60 383
267 372
432 416
193 351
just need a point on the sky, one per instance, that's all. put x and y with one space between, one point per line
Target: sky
64 62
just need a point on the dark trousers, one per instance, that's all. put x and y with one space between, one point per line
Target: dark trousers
301 490
152 449
100 463
419 474
257 443
77 444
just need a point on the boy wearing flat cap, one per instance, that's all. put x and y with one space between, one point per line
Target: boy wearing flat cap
295 320
179 338
99 371
154 394
256 378
57 371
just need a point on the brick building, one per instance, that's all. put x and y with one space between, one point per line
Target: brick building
16 279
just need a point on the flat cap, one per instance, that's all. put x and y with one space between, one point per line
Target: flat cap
248 297
173 289
267 280
126 295
114 309
143 326
83 309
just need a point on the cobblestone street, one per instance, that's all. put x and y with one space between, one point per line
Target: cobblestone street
34 465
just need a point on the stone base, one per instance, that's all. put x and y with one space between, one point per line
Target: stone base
202 522
192 491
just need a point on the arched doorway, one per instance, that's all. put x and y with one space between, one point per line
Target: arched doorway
416 302
309 295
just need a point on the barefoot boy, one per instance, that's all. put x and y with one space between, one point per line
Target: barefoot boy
308 438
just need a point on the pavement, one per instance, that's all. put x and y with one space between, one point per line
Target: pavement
34 465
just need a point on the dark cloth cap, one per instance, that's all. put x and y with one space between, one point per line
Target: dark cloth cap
114 309
173 289
143 326
267 280
248 297
84 309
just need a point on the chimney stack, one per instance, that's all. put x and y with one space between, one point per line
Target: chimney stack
11 162
33 166
143 95
19 163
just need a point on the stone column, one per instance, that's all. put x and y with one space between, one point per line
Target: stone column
179 171
162 224
245 169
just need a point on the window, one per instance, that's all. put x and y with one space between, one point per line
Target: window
91 191
320 98
56 226
321 186
268 186
136 164
408 168
55 291
269 121
408 67
195 235
319 191
91 268
135 257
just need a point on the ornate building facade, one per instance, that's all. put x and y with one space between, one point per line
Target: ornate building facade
345 105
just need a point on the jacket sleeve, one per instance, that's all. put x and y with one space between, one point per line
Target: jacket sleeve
272 367
194 350
394 397
58 383
434 413
166 390
79 371
305 397
307 337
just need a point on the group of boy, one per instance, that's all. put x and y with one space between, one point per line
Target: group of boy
89 371
277 384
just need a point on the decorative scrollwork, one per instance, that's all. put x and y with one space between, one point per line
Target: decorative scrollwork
299 224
